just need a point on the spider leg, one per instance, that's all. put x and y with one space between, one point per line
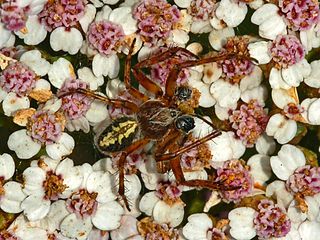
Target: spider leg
133 147
132 91
173 146
162 56
157 58
164 145
117 103
167 156
174 73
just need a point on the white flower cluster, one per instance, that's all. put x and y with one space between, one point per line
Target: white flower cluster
252 70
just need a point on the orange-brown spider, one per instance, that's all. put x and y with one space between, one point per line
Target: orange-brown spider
158 119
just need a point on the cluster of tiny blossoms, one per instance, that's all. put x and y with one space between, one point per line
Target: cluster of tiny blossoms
208 116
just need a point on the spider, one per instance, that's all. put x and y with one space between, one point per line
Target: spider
158 119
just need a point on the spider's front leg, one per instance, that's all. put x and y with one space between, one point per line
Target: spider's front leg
157 58
175 152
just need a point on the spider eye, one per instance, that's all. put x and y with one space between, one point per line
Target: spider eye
183 93
185 123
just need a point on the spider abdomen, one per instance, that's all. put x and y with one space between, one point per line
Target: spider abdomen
118 135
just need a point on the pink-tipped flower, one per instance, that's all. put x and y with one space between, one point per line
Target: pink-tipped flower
155 19
286 50
13 16
74 105
57 13
168 191
249 122
105 36
160 71
300 14
271 221
305 180
236 179
202 9
17 77
82 203
44 127
235 69
6 235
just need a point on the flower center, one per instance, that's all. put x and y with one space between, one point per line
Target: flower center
249 122
1 187
83 203
234 69
57 13
45 127
18 78
74 105
305 181
293 111
155 19
152 230
270 220
53 186
300 15
105 36
216 234
13 17
160 71
233 175
196 158
5 235
286 50
169 192
202 9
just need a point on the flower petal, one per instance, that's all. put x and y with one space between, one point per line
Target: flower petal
63 147
172 214
35 207
289 159
11 202
7 166
74 227
108 216
23 145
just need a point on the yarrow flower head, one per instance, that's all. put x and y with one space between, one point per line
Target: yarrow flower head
74 105
150 229
216 234
160 71
286 50
13 16
155 19
249 122
82 203
57 13
17 77
271 221
234 69
233 174
168 191
196 158
202 9
293 111
7 235
45 127
300 14
53 185
105 36
9 51
305 181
